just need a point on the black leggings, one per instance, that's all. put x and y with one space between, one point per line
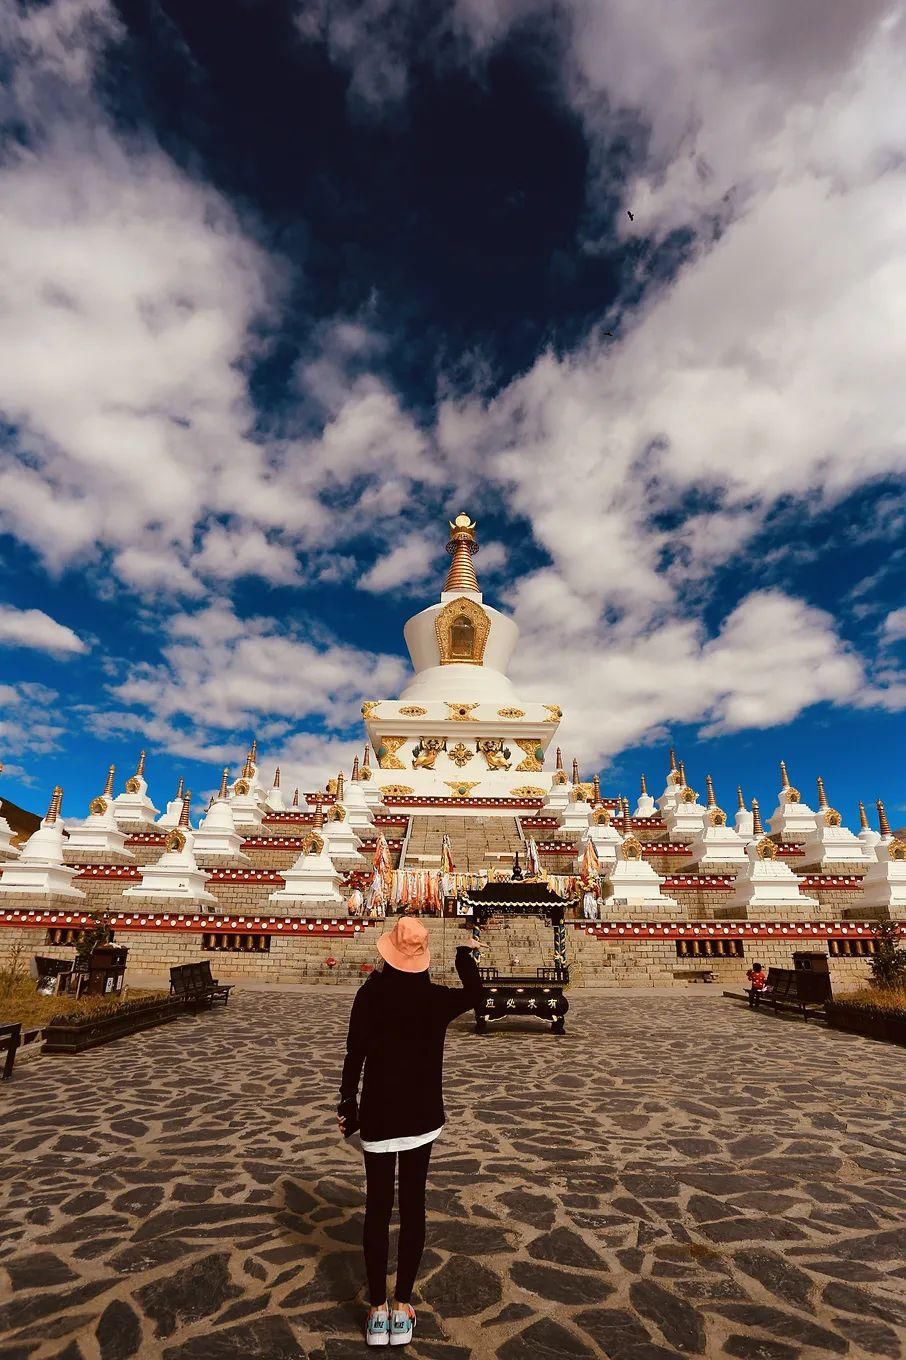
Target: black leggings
379 1176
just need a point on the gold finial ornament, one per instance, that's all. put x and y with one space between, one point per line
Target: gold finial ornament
576 776
462 547
108 787
140 768
863 817
56 803
822 796
673 769
355 770
883 824
632 847
365 770
784 777
341 786
644 787
757 828
312 843
180 789
740 801
276 784
224 783
596 789
627 819
319 814
133 785
559 764
709 785
897 850
682 773
184 814
295 797
253 752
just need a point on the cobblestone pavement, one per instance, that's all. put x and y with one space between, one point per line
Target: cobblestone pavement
675 1176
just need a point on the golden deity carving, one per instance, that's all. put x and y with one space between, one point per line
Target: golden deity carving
601 817
554 712
312 843
766 849
793 795
511 712
370 708
241 787
462 790
462 629
396 790
460 754
175 841
133 785
413 711
426 752
387 757
534 754
97 807
688 795
495 753
460 712
832 818
632 848
717 817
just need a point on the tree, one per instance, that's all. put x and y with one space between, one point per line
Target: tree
888 963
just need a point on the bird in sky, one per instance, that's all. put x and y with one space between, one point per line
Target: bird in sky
630 215
610 333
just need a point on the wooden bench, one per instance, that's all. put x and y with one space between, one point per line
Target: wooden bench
10 1038
193 984
795 989
221 989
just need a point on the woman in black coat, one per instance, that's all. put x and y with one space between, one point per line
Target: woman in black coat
396 1032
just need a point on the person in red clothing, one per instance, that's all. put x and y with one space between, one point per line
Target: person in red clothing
758 983
397 1029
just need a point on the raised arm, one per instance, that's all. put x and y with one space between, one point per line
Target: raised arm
458 1000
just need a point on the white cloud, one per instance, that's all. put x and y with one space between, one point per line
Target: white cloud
894 626
29 720
408 564
35 629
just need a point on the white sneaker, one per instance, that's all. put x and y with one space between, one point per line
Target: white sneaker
402 1323
377 1328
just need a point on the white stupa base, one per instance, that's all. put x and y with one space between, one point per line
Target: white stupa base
308 895
219 845
19 876
134 810
556 802
654 909
372 795
311 880
869 841
186 885
685 821
793 821
718 845
831 847
97 840
745 825
248 813
341 843
634 883
7 849
167 820
646 806
576 818
360 818
884 885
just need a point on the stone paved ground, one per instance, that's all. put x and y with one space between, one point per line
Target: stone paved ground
673 1177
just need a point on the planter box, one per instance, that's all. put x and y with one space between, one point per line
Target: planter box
853 1020
75 1036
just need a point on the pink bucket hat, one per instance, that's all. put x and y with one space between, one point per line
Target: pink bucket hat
406 946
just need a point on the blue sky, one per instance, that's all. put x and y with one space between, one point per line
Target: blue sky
283 292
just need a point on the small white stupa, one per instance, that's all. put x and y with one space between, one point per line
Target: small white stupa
743 816
274 795
358 813
40 867
100 832
675 781
133 808
167 820
605 837
343 845
636 884
766 886
176 873
7 849
557 798
217 837
832 844
792 820
884 884
577 813
313 879
646 806
868 837
685 819
716 843
370 789
247 798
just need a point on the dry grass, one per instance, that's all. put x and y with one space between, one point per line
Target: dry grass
22 1004
889 1000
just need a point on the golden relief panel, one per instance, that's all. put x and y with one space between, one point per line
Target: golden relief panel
460 754
766 849
632 848
312 844
133 785
97 807
460 712
337 813
396 790
717 817
412 711
601 817
495 753
560 777
554 712
534 755
241 787
511 712
370 707
386 754
793 795
426 752
897 849
462 629
462 790
175 841
688 795
832 818
528 791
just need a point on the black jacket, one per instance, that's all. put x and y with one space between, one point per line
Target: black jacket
397 1030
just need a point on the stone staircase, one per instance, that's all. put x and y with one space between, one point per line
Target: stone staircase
477 842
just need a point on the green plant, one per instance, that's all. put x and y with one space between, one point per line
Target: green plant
888 963
13 970
98 933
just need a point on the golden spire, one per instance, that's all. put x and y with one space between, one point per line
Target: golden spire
709 785
56 803
341 786
140 769
682 773
180 789
224 782
559 764
108 787
253 753
672 761
210 802
319 815
277 777
784 777
355 770
576 778
366 758
757 828
863 816
883 824
295 797
596 785
184 815
822 796
740 801
644 788
462 548
627 820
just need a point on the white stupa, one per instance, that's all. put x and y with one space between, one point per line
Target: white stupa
343 845
133 808
646 806
358 813
7 849
217 837
99 833
605 837
176 873
685 818
831 844
173 814
675 781
744 821
884 884
791 820
557 798
577 813
766 886
40 868
248 798
371 791
868 838
716 843
636 884
313 879
274 795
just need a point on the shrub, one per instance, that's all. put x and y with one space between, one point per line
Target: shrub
888 964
